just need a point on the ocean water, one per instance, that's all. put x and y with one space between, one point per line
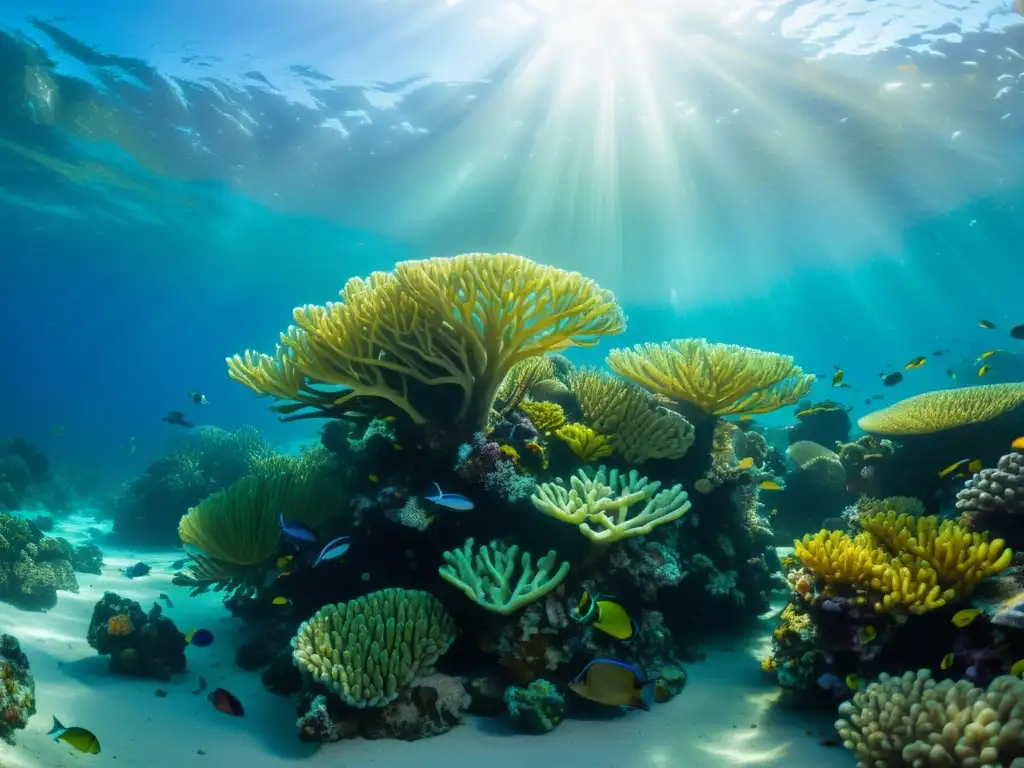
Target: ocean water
840 181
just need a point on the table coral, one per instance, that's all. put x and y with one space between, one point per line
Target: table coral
944 409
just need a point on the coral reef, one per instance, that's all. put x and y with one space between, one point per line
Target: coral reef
87 558
944 409
996 492
139 644
33 567
18 693
537 708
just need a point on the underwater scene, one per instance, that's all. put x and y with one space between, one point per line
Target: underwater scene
590 383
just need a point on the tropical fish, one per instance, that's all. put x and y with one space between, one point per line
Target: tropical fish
198 398
951 373
335 548
606 615
177 418
281 601
226 703
388 418
947 661
837 378
1017 670
986 324
200 638
831 682
177 565
1018 444
454 501
79 738
984 370
964 617
614 684
988 354
747 463
1017 332
201 688
868 633
296 531
284 560
971 465
166 599
892 379
373 478
917 362
746 417
854 682
770 485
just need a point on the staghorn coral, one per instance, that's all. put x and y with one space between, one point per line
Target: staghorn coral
546 417
369 649
719 379
587 444
601 506
913 720
486 577
944 409
462 322
998 489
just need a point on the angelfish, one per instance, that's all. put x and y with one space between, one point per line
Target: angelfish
454 501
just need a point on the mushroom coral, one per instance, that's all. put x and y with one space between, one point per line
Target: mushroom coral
461 321
719 379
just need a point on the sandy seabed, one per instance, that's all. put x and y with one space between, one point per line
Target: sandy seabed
725 716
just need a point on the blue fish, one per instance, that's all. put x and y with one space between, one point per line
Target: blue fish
832 683
454 501
334 549
296 531
200 638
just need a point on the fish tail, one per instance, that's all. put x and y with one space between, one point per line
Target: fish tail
440 493
57 727
647 694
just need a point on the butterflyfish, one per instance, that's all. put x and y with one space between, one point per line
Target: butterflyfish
614 684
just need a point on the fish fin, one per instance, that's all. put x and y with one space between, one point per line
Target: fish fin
647 694
57 727
440 493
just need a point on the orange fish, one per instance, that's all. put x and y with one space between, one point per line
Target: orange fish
1018 444
224 702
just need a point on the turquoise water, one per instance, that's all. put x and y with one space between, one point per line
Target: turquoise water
838 181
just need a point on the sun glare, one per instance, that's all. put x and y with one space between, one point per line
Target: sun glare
602 25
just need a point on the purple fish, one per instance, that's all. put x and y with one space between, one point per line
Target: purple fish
296 531
334 549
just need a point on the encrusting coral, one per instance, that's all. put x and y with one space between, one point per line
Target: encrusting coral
368 649
488 577
913 720
461 322
944 409
587 444
602 505
720 379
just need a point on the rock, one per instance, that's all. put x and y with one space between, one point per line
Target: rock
431 706
87 558
486 693
139 644
137 570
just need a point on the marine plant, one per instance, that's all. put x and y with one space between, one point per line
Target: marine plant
610 505
366 651
944 409
719 379
487 577
461 322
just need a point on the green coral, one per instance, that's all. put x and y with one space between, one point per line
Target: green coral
538 708
369 649
486 578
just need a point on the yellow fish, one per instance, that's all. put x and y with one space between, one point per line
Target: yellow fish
281 601
746 417
947 661
747 463
373 478
284 560
984 369
954 467
388 418
614 684
985 355
397 446
838 378
917 362
78 738
965 617
608 616
975 466
1017 669
770 485
854 683
1018 444
868 634
986 324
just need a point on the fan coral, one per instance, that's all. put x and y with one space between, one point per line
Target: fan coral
944 409
719 379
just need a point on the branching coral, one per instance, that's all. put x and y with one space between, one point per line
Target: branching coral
546 417
461 322
368 649
584 442
915 721
719 379
488 576
602 505
944 409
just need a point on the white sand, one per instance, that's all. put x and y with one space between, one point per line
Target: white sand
723 717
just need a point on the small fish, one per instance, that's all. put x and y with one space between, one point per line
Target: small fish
284 574
78 738
334 549
1018 444
831 682
955 466
200 638
988 354
984 370
964 617
284 560
892 379
746 417
198 398
296 531
454 501
388 418
606 615
177 565
951 373
975 466
163 596
178 419
854 682
373 478
746 463
986 324
917 362
226 703
281 601
770 485
837 377
868 633
947 661
201 688
397 446
1017 670
1017 332
614 684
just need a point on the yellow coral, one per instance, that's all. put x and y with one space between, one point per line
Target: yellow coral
944 409
546 417
521 378
120 625
584 442
239 525
838 559
461 322
719 379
